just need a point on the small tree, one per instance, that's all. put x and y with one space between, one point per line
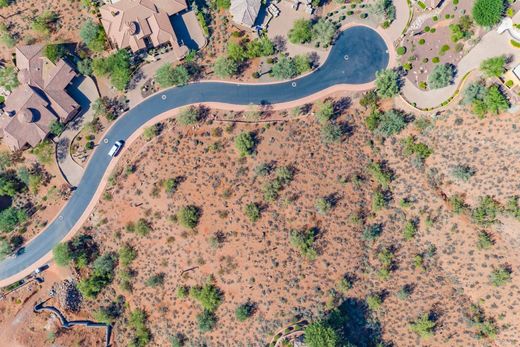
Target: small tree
85 66
387 83
318 334
331 133
245 143
208 296
284 68
441 76
93 35
168 76
323 206
392 122
188 116
61 254
54 52
301 31
56 128
323 32
188 216
225 67
206 321
494 67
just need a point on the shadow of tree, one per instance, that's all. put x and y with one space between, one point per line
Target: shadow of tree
354 325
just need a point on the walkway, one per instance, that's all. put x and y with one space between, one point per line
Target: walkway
402 16
492 44
356 56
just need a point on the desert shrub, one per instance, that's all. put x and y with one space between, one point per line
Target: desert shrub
102 275
391 122
372 232
409 230
5 248
344 285
441 76
369 99
379 174
182 292
331 133
420 150
252 211
245 143
42 24
44 151
462 29
301 31
137 322
206 321
208 296
324 112
386 258
303 241
127 255
244 311
374 302
155 280
387 83
484 240
486 212
423 326
475 91
236 52
500 276
151 132
457 204
323 206
188 216
462 172
284 68
142 227
401 50
378 201
188 115
318 334
487 12
485 327
9 78
494 67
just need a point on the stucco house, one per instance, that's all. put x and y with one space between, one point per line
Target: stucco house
143 24
39 100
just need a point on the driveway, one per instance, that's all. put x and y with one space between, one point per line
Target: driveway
358 53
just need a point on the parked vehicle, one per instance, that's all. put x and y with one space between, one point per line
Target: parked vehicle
116 148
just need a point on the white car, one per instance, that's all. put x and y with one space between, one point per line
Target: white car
116 148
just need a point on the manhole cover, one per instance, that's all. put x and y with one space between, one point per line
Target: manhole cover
163 97
105 140
293 84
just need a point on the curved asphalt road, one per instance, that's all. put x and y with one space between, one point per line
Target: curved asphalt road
354 59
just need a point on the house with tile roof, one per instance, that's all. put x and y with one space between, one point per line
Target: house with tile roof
40 99
142 24
244 12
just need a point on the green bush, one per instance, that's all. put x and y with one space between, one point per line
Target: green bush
486 212
252 211
245 143
318 334
301 31
423 326
208 296
500 276
168 75
409 230
244 311
188 115
304 242
387 83
488 12
494 67
137 322
441 76
401 50
188 216
324 112
206 321
391 122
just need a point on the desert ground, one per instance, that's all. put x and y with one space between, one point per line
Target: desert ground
256 262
